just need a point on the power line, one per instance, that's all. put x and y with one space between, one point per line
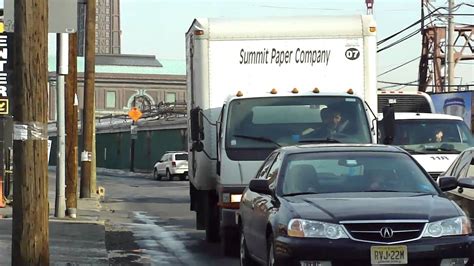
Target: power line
408 27
422 19
414 33
399 66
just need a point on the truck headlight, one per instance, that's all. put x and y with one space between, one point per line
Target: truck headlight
307 228
449 227
235 197
231 198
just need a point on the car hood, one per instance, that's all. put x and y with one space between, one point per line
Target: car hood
345 208
435 163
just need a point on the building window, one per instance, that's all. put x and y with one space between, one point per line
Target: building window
110 99
170 97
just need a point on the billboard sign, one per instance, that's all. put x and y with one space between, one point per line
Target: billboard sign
455 103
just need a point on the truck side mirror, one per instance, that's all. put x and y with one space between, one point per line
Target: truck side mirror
197 128
197 146
388 124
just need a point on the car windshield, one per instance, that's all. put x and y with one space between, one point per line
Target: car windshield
432 136
277 121
335 172
181 157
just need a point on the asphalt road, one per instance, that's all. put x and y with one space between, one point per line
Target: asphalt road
148 222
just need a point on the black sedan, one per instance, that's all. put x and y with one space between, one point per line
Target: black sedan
342 204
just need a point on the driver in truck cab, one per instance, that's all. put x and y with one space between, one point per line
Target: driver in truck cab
333 122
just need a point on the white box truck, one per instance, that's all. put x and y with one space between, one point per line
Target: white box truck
256 84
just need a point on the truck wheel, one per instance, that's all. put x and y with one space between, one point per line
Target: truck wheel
212 220
229 243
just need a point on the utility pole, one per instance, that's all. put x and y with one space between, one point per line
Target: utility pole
30 245
61 72
450 49
423 64
71 129
88 122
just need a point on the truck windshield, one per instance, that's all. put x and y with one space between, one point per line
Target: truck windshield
432 136
271 122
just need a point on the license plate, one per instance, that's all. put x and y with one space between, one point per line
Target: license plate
380 255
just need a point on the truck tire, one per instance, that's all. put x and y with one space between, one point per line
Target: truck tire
212 219
230 243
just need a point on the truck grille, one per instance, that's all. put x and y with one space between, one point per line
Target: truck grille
385 232
405 103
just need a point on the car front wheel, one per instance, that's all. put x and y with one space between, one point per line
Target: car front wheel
272 260
245 259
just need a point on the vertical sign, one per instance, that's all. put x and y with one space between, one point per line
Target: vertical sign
4 102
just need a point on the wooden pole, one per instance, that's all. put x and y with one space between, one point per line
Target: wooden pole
88 122
71 129
30 94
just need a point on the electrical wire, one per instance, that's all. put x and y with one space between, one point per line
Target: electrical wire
422 19
408 27
414 33
399 66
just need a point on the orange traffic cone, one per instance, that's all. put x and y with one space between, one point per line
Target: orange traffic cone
2 198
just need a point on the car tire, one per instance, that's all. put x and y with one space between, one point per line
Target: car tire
168 175
245 258
156 176
182 177
271 259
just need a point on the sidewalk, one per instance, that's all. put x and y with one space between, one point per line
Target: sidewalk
79 241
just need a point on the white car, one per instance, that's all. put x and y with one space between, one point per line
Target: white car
172 164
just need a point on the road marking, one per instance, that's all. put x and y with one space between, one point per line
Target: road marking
149 236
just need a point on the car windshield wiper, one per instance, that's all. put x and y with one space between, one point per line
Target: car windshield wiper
263 139
381 190
326 140
299 193
441 148
412 151
419 194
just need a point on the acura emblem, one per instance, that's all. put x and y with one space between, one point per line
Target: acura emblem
386 232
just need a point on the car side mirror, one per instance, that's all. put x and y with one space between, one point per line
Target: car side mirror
466 182
260 186
447 183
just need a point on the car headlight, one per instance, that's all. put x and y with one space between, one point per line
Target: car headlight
449 227
307 228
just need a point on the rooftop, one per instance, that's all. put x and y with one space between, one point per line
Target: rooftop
169 67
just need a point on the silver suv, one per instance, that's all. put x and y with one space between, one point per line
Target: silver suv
173 163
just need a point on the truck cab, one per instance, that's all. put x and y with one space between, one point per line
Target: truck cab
434 140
